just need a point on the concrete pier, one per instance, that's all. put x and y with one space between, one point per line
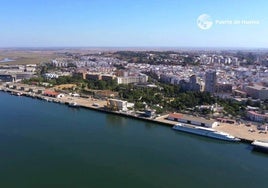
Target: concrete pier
245 133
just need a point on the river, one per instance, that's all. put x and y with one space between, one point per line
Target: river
44 144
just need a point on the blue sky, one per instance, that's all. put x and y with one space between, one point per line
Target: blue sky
123 23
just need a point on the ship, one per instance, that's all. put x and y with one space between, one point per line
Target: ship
207 132
260 146
73 104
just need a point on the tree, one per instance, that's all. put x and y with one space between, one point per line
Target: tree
101 84
139 106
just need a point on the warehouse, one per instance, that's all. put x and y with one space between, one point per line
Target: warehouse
198 121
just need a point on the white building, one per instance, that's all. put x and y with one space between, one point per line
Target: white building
117 105
141 78
50 75
192 120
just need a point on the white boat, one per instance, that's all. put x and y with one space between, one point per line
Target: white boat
95 104
73 104
208 132
260 145
18 94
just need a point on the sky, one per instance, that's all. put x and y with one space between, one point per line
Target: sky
127 23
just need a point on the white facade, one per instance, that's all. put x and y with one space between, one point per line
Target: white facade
193 120
117 104
141 78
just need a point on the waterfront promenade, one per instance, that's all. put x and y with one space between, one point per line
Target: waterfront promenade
245 133
241 131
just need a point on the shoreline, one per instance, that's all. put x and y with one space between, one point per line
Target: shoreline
239 131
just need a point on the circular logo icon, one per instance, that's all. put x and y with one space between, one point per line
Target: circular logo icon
204 21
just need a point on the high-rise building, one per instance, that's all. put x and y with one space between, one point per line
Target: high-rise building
210 81
195 84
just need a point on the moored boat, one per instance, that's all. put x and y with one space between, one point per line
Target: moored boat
18 94
73 104
260 145
208 132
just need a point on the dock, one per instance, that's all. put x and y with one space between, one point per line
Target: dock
245 133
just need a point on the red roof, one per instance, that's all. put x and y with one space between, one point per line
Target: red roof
257 114
224 120
51 93
175 115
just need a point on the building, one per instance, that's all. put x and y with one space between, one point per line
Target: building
50 75
7 78
25 75
257 92
224 120
122 73
170 79
195 84
254 116
149 113
239 93
116 105
192 120
54 94
107 77
224 88
141 78
59 63
93 76
80 74
210 81
105 94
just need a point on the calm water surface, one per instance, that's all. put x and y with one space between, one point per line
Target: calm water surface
51 145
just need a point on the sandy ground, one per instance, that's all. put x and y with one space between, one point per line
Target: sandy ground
241 131
62 86
86 102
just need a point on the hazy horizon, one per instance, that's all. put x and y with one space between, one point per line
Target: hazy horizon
153 48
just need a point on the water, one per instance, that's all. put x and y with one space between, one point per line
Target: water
44 144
